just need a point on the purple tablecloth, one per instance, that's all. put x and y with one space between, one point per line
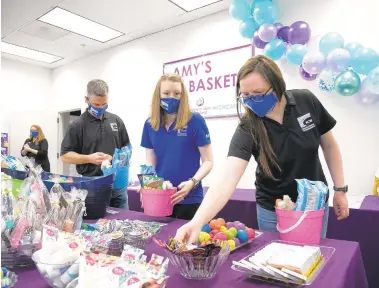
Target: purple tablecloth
361 226
345 269
370 202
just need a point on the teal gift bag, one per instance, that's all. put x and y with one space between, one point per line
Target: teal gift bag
122 176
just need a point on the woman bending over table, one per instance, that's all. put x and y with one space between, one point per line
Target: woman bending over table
175 140
283 130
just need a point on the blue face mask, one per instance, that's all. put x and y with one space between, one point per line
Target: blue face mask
97 112
170 105
261 104
34 133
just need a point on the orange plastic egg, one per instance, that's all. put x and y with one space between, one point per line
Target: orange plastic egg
213 224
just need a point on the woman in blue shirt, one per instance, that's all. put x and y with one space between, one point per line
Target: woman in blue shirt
175 140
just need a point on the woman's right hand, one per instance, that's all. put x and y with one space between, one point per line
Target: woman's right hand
189 232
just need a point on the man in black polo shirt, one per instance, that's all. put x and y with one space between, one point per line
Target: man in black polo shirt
94 137
283 131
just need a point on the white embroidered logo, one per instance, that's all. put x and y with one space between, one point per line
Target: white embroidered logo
114 127
306 122
182 132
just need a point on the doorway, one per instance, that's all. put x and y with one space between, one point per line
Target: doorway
65 118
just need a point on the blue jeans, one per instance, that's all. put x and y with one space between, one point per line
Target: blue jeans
119 198
267 220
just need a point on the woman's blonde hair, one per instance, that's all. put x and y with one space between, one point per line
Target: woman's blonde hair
40 136
157 117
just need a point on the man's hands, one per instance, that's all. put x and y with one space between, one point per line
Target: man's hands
98 158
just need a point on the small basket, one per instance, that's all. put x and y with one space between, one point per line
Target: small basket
157 202
299 226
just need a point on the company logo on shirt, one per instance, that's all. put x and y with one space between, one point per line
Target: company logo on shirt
114 127
182 132
207 136
306 122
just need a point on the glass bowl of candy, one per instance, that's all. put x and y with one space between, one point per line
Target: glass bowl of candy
8 278
57 273
200 262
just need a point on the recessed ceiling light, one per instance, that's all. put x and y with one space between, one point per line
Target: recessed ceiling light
28 53
77 24
190 5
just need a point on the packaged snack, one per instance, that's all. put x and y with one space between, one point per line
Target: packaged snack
311 195
131 253
152 182
285 204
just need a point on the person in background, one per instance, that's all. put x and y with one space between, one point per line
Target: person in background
283 131
36 146
93 138
175 140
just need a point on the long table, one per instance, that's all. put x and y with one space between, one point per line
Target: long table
344 270
361 226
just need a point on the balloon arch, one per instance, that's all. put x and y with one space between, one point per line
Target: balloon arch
335 65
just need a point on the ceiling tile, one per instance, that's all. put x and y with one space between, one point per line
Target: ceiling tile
123 15
44 31
5 31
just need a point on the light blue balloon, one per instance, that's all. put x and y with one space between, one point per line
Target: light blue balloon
331 41
326 80
353 47
296 53
373 81
347 83
364 60
248 27
275 49
265 12
240 10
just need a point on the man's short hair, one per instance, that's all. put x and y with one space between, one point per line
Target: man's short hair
97 87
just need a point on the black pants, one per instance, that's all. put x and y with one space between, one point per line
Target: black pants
185 211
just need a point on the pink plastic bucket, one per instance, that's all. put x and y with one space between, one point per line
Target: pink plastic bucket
300 227
157 202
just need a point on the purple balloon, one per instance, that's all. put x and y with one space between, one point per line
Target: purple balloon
257 42
364 96
305 75
313 62
278 25
338 60
299 33
267 32
283 33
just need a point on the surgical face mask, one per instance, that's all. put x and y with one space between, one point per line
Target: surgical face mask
34 133
261 105
97 112
170 105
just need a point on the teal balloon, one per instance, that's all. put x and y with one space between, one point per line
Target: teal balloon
240 10
296 53
353 47
265 12
248 27
275 49
347 83
331 41
364 60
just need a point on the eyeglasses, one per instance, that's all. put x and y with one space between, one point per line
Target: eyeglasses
255 98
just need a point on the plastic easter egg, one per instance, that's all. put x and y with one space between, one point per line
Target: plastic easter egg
237 241
212 224
223 229
220 222
221 236
213 233
206 228
240 226
232 244
242 236
204 237
230 235
233 231
251 233
229 225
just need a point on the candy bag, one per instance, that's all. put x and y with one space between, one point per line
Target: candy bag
311 195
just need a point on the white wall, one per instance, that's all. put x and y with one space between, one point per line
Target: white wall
27 96
132 70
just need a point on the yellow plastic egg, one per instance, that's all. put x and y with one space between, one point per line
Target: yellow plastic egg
232 244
